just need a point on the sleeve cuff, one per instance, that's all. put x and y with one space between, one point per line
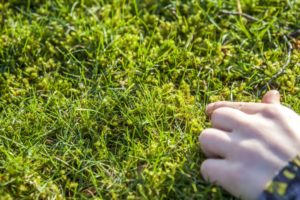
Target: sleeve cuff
286 183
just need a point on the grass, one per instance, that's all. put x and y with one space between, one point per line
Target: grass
105 99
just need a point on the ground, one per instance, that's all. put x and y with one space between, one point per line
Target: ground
105 99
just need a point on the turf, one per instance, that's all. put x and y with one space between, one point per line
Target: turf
105 99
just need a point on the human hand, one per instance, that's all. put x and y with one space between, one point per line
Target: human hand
248 143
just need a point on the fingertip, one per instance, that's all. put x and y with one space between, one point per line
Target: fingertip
203 170
203 145
207 170
274 93
209 108
199 137
199 140
271 97
212 172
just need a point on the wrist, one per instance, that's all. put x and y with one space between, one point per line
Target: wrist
285 184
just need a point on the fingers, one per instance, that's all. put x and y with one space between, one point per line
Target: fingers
248 108
215 143
216 171
226 118
271 97
226 174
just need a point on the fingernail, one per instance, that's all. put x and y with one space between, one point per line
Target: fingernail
275 92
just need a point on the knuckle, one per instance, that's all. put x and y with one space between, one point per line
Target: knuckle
271 111
240 105
243 123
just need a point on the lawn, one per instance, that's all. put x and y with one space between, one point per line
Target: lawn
105 99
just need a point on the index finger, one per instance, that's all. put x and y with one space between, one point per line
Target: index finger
246 107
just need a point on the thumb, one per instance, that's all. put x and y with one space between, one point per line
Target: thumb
271 97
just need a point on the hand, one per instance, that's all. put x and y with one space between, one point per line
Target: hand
248 143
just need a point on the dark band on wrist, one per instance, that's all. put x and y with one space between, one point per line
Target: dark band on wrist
286 184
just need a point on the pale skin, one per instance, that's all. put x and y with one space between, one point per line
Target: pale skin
248 144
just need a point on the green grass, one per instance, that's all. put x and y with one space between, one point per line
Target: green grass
105 99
